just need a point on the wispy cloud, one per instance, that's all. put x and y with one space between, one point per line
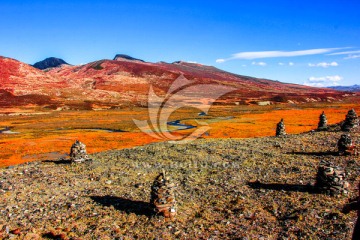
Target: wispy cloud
262 64
277 54
324 64
334 78
352 56
345 53
289 63
325 81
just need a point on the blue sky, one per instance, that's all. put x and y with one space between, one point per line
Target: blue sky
307 42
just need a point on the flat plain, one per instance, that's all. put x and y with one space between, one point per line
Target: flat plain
48 135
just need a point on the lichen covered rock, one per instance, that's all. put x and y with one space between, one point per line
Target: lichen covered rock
330 179
78 152
351 121
322 125
163 197
280 128
345 145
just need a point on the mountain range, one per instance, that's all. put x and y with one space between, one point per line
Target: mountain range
353 88
125 81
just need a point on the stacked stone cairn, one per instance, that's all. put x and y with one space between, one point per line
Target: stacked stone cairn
78 152
280 128
330 179
345 145
322 125
163 197
351 121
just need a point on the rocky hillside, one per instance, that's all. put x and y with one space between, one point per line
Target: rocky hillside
126 82
21 84
261 188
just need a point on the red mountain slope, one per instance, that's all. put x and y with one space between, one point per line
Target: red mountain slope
22 79
125 82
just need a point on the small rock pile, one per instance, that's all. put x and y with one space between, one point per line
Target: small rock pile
280 128
322 125
330 179
78 152
163 197
345 145
351 121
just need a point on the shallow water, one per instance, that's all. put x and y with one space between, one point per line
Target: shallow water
8 132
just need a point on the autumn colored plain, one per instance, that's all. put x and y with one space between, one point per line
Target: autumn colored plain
49 135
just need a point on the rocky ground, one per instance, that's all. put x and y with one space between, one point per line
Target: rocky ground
259 188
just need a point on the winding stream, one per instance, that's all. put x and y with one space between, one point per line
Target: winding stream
179 125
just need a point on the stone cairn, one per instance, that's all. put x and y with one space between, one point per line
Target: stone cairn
345 145
330 179
351 121
78 152
280 128
162 196
322 125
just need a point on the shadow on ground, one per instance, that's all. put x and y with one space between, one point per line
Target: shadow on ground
126 205
61 161
284 187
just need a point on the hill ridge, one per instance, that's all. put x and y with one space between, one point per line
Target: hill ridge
116 83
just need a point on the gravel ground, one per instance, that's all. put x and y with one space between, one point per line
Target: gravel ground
259 188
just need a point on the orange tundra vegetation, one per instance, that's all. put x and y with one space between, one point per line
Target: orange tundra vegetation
263 124
49 135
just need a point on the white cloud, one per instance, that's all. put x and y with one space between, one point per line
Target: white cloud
324 64
334 78
289 63
345 53
325 81
244 65
352 56
275 54
319 84
263 64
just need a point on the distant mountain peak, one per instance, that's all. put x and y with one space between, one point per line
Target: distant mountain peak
50 62
353 88
124 57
